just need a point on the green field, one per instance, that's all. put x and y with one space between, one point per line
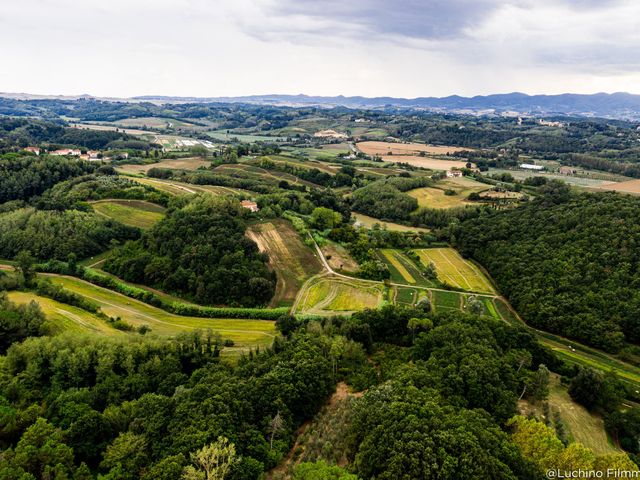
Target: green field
369 222
245 333
454 270
581 425
64 318
435 197
443 300
403 270
135 213
326 295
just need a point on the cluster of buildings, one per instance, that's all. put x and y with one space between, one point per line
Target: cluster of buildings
90 155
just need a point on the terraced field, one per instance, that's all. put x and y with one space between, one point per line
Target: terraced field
330 295
293 262
454 270
245 333
135 213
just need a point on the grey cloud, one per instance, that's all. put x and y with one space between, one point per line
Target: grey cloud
417 19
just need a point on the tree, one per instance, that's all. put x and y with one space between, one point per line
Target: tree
213 462
128 453
537 385
40 452
474 305
419 324
324 218
25 264
275 426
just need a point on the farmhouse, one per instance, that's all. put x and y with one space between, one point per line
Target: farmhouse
454 173
249 205
35 150
530 166
74 152
567 170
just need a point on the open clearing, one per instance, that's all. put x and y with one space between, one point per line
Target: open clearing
110 128
412 149
135 213
191 163
179 188
338 257
330 295
153 122
293 262
631 187
581 425
454 270
245 333
63 318
410 153
435 197
369 222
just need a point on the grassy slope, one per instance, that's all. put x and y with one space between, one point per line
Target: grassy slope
293 262
63 318
455 270
245 333
135 213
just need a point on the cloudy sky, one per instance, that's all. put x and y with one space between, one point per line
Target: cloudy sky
403 48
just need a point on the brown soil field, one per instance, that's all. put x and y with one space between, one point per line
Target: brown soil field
192 163
631 187
289 257
339 257
383 148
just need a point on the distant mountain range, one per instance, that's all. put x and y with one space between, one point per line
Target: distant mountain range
607 105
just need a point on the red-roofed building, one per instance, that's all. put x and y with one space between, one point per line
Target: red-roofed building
249 205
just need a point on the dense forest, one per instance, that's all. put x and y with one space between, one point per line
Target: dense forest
25 176
567 262
440 404
199 251
54 235
19 132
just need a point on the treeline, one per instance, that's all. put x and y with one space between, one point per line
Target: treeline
205 177
22 132
72 193
18 322
384 199
568 263
199 251
25 176
55 235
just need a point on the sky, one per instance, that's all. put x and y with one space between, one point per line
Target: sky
400 48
